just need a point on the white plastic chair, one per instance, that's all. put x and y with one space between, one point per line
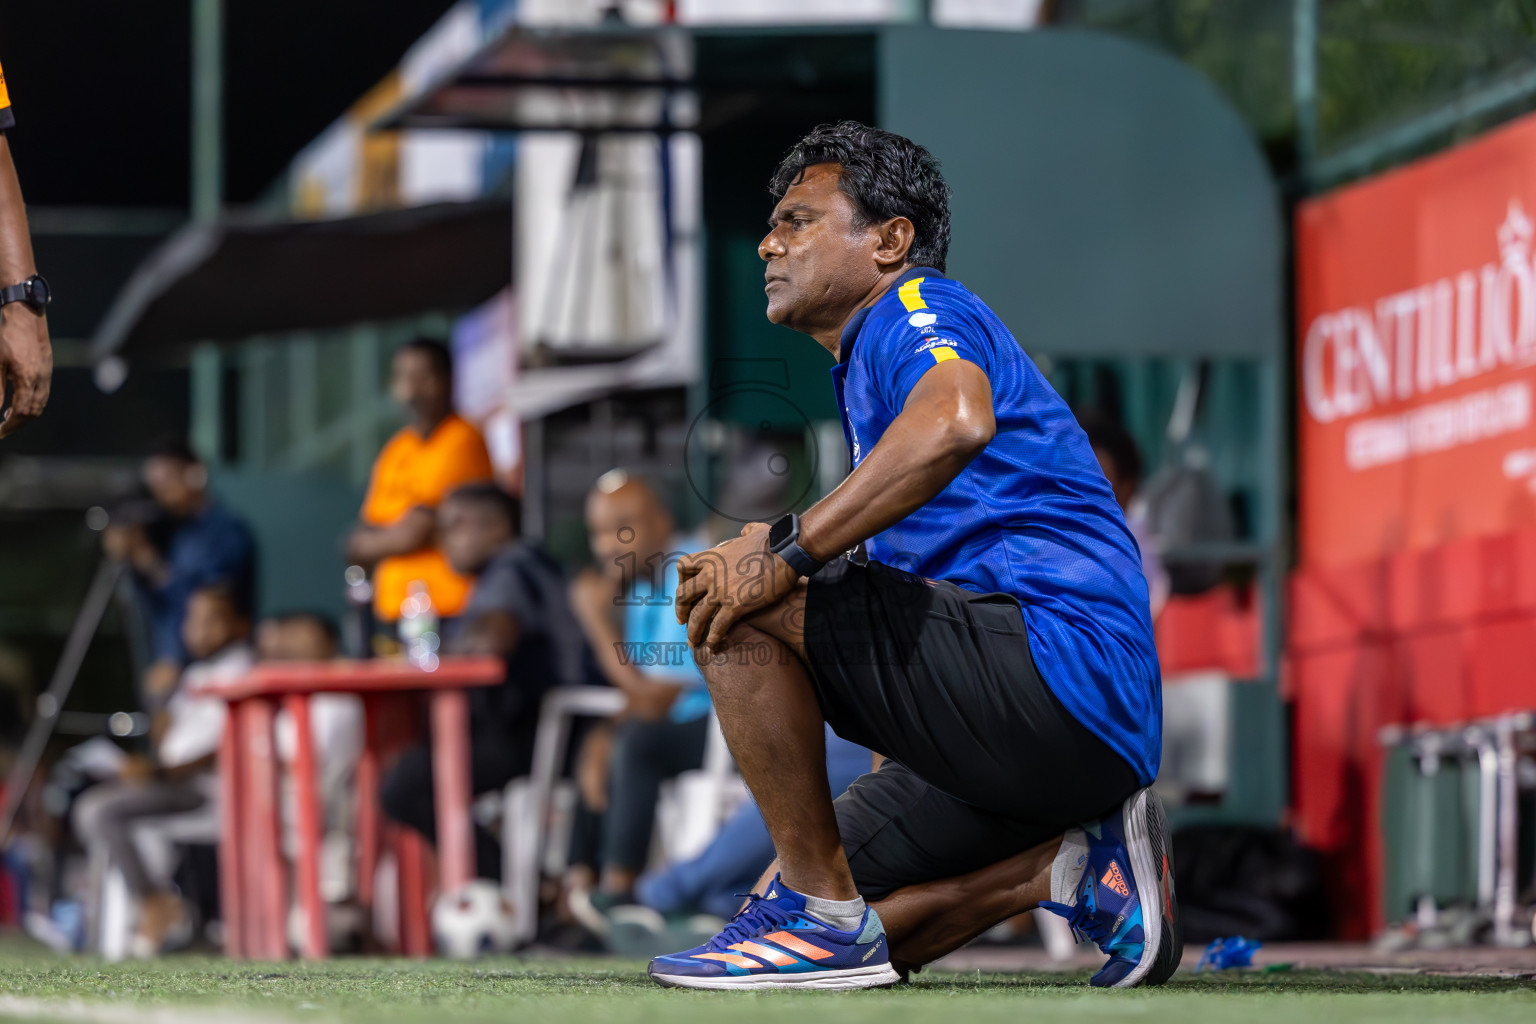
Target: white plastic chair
693 806
527 800
690 809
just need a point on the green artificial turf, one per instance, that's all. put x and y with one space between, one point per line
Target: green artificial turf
38 986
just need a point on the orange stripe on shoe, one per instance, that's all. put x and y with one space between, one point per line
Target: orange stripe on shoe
1115 881
799 945
768 953
729 958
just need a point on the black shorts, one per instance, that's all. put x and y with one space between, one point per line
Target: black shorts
983 761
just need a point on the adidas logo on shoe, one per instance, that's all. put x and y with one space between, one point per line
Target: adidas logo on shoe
1115 881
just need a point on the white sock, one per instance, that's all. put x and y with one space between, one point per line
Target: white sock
1067 869
844 915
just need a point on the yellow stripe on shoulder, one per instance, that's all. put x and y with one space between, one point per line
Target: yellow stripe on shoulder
911 296
943 352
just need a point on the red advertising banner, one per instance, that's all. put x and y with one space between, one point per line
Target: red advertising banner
1416 294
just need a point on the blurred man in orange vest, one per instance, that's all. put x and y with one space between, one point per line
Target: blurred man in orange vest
436 453
26 357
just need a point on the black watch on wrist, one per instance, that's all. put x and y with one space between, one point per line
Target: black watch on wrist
33 291
784 541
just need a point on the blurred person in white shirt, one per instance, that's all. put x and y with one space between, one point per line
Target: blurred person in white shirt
336 721
179 777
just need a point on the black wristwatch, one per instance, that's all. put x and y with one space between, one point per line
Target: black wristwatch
33 291
784 541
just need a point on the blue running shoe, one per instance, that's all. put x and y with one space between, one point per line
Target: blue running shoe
774 943
1114 880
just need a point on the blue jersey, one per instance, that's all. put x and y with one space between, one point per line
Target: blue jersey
1032 515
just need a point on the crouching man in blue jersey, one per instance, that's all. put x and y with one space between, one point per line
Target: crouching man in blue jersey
995 645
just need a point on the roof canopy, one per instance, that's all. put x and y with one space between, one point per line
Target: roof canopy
610 80
241 277
618 79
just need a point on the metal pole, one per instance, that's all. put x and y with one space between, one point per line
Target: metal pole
1486 747
1304 83
207 109
1506 884
87 621
207 197
535 480
207 385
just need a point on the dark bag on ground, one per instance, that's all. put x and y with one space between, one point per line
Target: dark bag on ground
1254 882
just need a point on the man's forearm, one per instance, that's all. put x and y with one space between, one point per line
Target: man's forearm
192 769
883 491
942 427
606 644
369 545
361 544
16 263
26 355
146 561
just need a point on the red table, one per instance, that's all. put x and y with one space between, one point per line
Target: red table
254 883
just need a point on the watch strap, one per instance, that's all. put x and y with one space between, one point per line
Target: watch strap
789 549
28 292
798 560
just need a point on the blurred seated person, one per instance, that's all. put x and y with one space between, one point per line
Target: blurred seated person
517 611
1120 459
335 719
625 609
436 452
178 777
713 881
297 636
199 543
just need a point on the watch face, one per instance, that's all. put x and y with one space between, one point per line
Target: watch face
38 291
780 531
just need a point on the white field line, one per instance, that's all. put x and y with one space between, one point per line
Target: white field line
89 1012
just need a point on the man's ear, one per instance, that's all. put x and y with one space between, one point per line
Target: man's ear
895 241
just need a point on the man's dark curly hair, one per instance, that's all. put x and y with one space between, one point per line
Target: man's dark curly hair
885 175
437 352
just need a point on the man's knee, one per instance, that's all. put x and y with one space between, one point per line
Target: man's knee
745 651
91 809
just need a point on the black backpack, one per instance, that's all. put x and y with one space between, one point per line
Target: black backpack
1255 882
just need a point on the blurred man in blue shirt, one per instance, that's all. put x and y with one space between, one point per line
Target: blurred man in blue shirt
198 544
626 611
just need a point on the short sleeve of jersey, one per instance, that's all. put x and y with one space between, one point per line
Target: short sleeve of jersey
7 119
461 459
410 474
917 342
379 505
502 588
